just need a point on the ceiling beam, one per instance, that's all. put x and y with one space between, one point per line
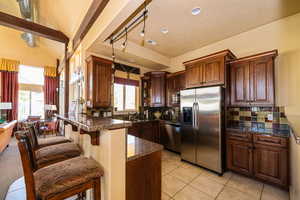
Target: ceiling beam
31 27
89 19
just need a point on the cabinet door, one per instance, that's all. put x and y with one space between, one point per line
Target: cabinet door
102 84
182 81
134 130
262 79
213 73
240 84
194 75
170 89
99 81
239 157
270 164
158 91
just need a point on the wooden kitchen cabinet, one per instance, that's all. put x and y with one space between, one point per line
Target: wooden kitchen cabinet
156 88
175 83
208 70
263 157
98 83
252 80
148 130
270 164
239 156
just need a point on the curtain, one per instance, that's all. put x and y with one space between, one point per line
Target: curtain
10 91
50 92
126 78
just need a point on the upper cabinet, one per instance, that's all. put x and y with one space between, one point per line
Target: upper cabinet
252 80
208 70
175 83
155 90
98 83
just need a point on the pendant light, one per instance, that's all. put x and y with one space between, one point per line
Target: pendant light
124 44
142 34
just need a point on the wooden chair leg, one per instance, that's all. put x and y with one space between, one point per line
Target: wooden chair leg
97 189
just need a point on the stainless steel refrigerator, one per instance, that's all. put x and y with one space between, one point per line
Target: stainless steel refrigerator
201 127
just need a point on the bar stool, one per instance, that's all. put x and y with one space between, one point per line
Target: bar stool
61 180
49 155
43 142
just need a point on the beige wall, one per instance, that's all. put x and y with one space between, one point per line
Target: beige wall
13 47
283 35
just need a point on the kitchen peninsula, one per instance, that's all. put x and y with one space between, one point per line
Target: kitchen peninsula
123 158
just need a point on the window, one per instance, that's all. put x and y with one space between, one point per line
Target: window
31 75
31 95
30 104
125 97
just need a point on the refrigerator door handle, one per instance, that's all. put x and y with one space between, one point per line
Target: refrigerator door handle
196 114
193 114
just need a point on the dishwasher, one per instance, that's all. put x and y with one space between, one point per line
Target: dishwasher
172 138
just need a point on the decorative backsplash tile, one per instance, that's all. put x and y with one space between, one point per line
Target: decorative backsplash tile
258 117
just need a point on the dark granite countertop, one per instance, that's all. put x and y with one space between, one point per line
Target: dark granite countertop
91 124
137 147
262 131
156 120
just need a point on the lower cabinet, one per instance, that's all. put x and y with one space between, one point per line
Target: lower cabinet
239 156
148 130
264 157
143 177
271 164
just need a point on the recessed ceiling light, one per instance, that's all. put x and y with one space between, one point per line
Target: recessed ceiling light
152 42
164 30
196 11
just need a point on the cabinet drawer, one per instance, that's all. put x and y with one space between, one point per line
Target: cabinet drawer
270 140
240 136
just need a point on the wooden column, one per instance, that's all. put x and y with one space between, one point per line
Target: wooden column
67 77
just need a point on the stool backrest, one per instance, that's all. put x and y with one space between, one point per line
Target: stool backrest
27 163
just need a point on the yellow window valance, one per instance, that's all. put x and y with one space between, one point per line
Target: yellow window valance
50 71
9 65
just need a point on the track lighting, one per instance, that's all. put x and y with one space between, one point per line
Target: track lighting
123 45
142 34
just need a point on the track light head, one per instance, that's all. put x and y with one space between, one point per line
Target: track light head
142 34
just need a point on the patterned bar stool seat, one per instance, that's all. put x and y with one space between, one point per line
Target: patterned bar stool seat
49 155
61 180
43 142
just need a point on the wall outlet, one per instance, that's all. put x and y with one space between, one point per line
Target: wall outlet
270 117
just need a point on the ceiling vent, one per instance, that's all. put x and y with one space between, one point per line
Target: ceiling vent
27 9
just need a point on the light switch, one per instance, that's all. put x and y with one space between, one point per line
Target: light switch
270 117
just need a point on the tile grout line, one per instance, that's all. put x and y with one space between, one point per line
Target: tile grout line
262 190
186 184
224 186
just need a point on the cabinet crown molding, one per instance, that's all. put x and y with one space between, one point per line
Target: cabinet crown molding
216 54
273 53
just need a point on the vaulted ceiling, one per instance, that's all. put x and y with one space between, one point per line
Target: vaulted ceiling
63 15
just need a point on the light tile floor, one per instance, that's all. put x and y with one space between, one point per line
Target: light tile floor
183 181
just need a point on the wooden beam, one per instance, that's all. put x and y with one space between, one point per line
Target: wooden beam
91 16
31 27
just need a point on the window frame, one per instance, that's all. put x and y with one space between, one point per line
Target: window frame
126 111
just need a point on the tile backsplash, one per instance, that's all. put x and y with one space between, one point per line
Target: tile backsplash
258 117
